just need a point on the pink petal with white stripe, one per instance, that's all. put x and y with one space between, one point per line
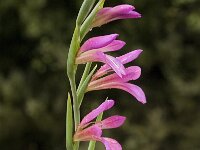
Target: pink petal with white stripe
124 59
98 42
93 114
132 73
111 122
116 65
99 56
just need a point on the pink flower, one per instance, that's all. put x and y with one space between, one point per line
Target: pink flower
124 59
93 50
109 14
113 81
88 130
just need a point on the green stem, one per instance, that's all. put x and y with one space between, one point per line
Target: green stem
75 107
85 74
71 72
75 103
83 87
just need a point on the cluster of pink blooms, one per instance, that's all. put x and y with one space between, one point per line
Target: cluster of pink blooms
88 130
113 74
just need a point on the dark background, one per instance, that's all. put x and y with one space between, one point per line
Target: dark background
34 41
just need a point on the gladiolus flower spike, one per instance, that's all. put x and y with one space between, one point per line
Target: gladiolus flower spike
100 81
89 131
112 74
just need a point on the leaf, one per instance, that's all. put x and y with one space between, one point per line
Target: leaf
69 125
74 47
84 10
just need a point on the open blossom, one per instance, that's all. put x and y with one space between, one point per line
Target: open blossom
109 14
114 81
88 130
124 59
93 50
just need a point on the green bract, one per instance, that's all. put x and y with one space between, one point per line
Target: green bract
87 23
84 10
69 124
83 87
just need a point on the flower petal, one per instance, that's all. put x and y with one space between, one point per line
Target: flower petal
132 73
93 114
111 122
131 14
109 14
99 56
115 64
134 90
123 59
113 46
111 144
126 58
122 9
88 133
103 11
98 42
91 55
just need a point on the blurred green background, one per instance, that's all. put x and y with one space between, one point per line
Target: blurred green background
34 41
